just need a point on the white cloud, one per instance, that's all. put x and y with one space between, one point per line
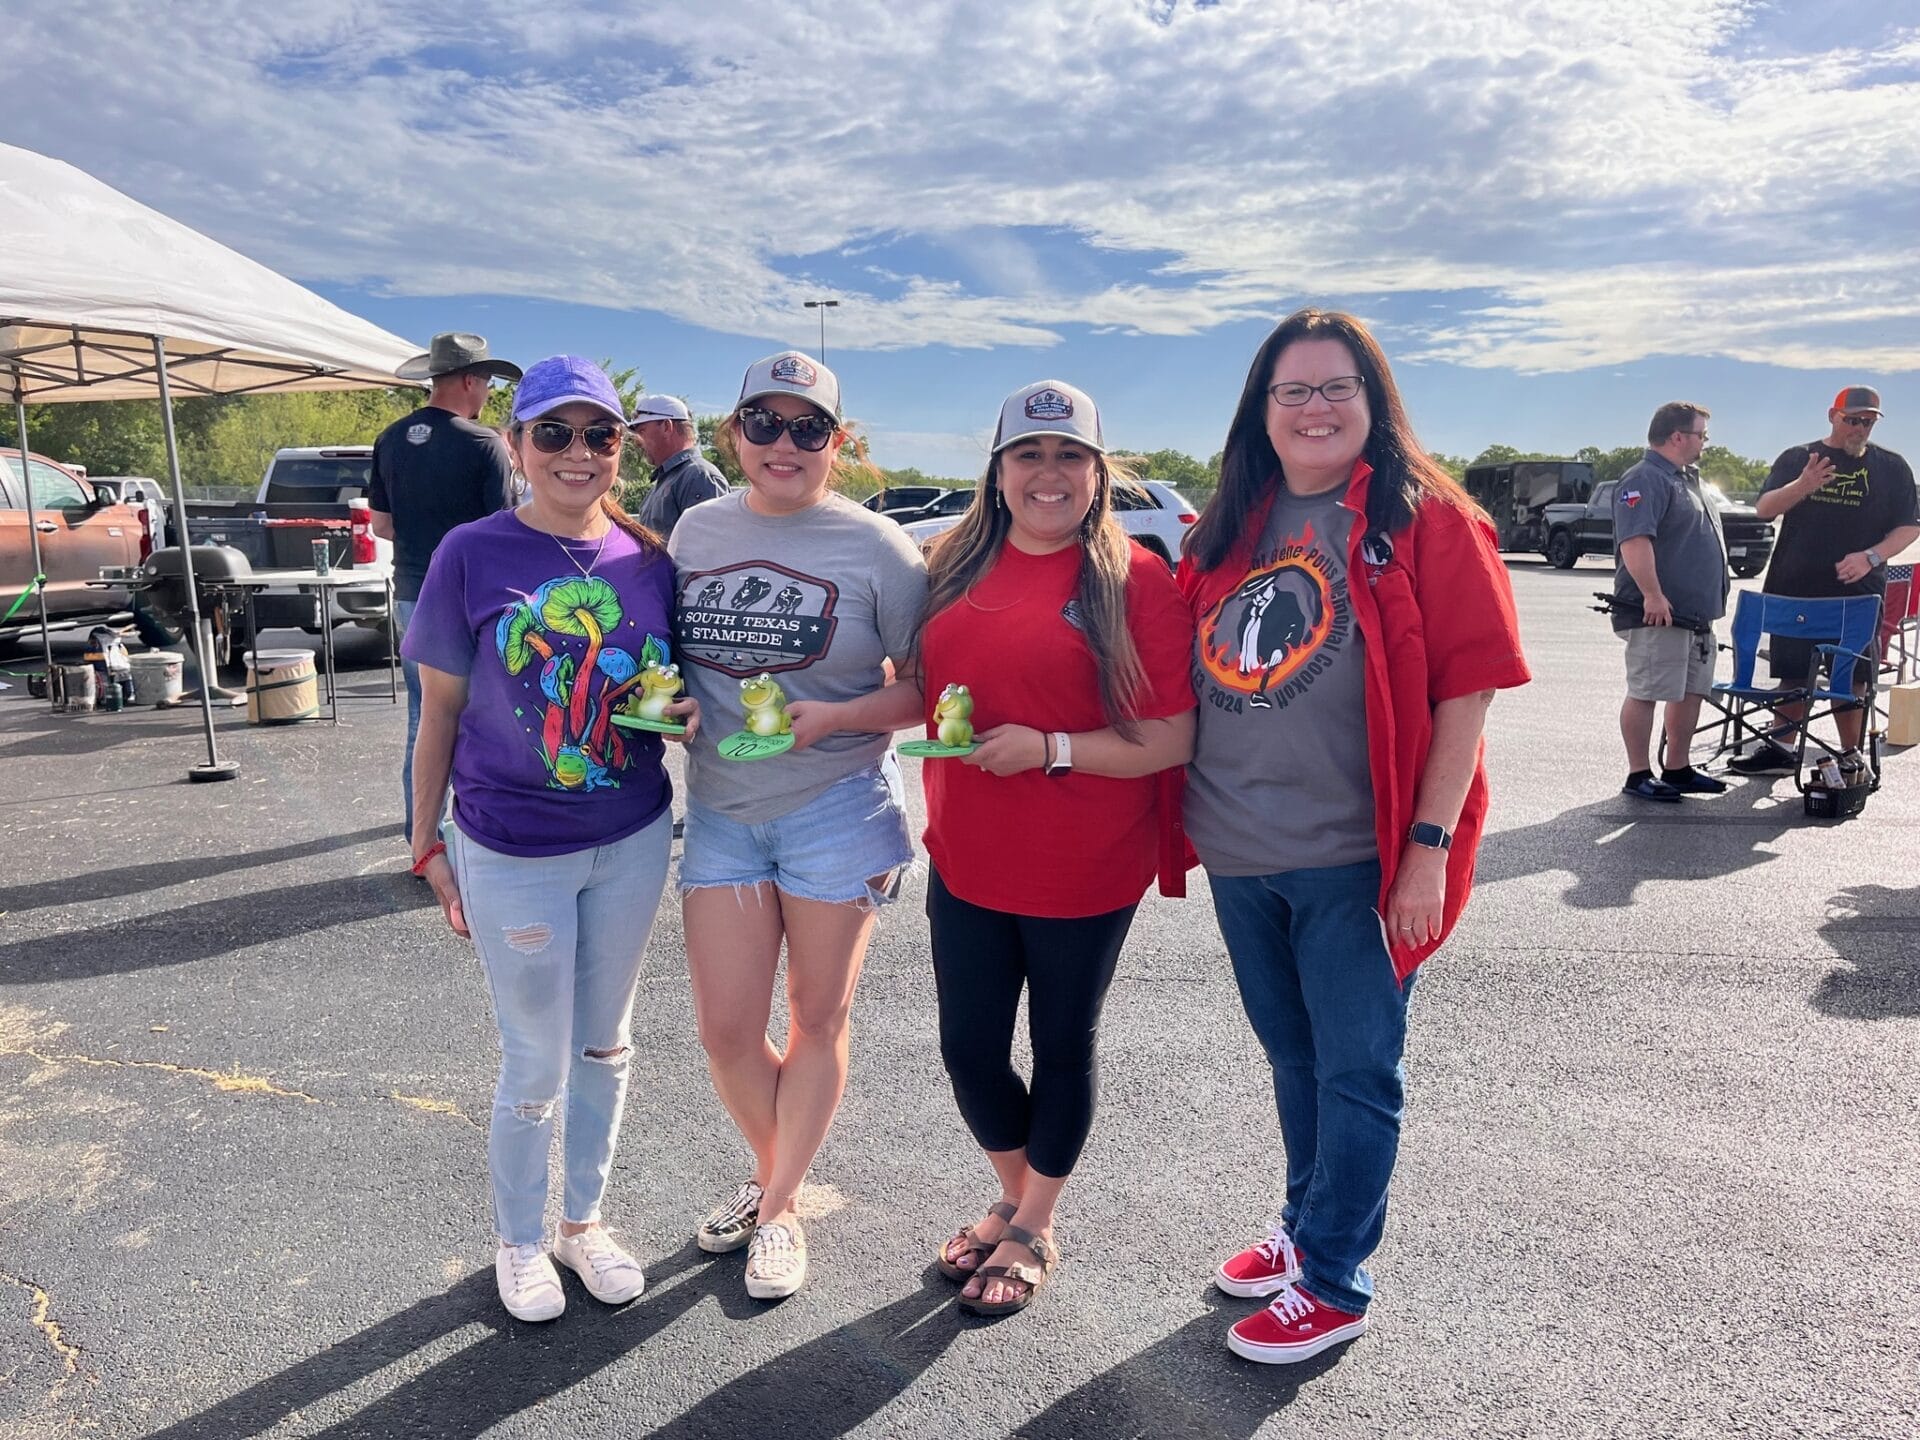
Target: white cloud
1626 177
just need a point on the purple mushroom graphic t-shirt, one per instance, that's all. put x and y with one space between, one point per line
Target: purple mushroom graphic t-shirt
551 655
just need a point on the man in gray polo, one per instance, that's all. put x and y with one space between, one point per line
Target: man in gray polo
681 477
1669 585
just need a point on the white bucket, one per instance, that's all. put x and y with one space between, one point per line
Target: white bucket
156 677
281 687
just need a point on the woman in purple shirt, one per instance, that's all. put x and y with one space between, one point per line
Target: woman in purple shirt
531 631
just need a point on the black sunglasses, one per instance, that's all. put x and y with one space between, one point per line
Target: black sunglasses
811 431
554 437
1859 419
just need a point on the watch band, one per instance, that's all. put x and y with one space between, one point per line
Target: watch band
1875 558
1430 836
1062 754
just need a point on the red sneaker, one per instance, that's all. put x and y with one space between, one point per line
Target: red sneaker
1294 1327
1261 1269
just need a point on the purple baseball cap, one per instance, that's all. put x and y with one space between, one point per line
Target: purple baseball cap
565 380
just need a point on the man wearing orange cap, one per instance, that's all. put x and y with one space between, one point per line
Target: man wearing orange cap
1845 507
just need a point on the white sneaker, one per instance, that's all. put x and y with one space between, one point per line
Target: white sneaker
529 1285
776 1261
611 1275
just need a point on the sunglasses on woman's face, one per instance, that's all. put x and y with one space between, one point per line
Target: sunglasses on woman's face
811 431
555 437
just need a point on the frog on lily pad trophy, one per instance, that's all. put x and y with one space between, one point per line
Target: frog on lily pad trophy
768 731
659 685
953 721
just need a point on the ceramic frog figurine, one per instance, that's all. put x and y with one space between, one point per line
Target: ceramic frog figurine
659 684
952 714
766 706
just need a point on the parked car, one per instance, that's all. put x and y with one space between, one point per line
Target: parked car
1151 511
148 494
82 530
895 500
1573 530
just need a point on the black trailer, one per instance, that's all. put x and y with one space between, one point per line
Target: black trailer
1515 494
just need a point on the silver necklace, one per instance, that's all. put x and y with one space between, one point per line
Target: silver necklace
586 571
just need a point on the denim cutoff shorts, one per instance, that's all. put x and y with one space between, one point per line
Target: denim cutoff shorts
826 850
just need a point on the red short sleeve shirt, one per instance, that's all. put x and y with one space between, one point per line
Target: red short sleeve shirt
1030 844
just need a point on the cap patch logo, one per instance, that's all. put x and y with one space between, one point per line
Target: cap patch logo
793 370
1049 405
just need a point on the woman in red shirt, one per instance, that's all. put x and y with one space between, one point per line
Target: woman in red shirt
1074 645
1353 621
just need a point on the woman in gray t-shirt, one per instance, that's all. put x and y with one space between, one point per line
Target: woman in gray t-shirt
786 584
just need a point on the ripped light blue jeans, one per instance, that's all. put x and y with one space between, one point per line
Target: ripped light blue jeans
561 938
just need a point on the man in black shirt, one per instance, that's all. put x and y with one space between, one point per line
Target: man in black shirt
433 470
1845 507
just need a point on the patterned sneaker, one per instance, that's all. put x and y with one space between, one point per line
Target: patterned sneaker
731 1226
611 1275
1261 1269
1294 1327
776 1261
529 1285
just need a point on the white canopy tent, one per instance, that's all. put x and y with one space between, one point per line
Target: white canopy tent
102 298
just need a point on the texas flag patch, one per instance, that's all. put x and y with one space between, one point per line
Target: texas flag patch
1630 498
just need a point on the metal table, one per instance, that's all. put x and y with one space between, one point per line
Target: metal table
324 585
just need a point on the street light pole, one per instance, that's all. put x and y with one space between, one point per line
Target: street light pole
822 306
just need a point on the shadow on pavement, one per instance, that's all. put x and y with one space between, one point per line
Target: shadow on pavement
135 879
1610 846
1155 1392
1876 930
184 933
825 1387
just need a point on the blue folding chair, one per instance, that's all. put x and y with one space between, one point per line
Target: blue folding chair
1845 630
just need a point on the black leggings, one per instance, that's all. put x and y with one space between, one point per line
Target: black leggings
980 960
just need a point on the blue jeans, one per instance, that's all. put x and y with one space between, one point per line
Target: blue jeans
1310 955
403 616
561 938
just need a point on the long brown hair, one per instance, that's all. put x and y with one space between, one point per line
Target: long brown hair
1404 475
961 556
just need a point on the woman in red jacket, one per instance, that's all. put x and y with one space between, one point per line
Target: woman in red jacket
1353 622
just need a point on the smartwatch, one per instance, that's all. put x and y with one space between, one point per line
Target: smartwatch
1062 754
1875 559
1432 837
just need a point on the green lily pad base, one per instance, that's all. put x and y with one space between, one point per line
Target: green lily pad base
934 750
745 745
658 727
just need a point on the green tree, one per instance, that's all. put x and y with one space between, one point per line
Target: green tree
1610 464
1738 475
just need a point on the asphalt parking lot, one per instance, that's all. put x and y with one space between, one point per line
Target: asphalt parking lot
1660 1177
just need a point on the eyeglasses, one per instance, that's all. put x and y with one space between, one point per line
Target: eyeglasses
1296 392
811 431
1699 435
554 437
1859 419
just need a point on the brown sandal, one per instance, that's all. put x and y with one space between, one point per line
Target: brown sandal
1031 1276
976 1247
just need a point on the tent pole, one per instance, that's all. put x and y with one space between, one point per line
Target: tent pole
33 527
215 768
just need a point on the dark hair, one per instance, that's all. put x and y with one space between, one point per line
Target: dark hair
1404 475
959 558
1673 417
650 543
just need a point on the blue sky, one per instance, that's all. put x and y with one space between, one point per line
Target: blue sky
1555 215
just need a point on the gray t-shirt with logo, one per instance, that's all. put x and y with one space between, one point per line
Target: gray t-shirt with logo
818 600
1280 778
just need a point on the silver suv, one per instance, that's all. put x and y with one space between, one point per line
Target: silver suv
1151 511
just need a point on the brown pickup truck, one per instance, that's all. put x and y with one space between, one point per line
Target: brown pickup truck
80 531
